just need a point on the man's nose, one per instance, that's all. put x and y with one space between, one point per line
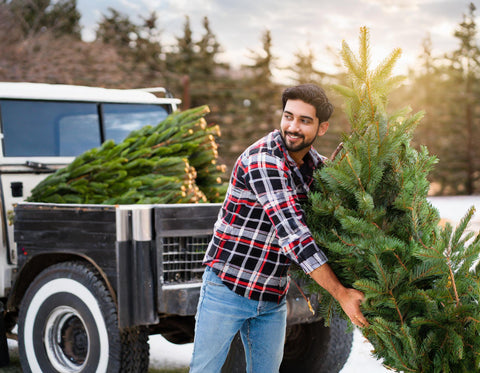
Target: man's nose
295 124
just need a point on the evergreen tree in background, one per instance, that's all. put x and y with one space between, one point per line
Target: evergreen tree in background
303 69
208 50
370 213
464 134
47 55
429 92
138 45
263 93
117 29
447 88
193 66
149 49
182 58
34 16
41 43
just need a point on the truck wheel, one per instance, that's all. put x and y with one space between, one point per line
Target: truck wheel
68 323
316 348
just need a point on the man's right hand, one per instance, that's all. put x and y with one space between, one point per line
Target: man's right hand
349 299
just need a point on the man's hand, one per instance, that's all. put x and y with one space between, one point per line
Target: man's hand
350 302
349 299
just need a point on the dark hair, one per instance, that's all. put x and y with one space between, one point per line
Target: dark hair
313 95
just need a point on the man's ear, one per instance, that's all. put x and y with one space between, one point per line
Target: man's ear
322 128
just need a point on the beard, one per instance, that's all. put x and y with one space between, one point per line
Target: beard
296 146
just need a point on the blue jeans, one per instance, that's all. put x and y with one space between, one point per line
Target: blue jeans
221 314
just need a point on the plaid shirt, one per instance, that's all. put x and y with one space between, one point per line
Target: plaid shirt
261 227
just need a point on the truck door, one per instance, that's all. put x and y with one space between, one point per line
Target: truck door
38 137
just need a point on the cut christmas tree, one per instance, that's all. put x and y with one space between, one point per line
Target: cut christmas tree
370 213
172 162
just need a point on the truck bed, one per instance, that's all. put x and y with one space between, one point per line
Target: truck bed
150 253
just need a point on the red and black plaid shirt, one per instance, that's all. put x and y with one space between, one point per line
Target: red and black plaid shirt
261 227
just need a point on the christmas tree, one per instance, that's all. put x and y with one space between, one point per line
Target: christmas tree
370 213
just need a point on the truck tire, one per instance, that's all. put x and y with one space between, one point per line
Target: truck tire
68 323
313 348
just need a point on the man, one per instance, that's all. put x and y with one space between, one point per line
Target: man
260 230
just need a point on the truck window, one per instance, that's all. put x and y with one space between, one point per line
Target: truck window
120 119
45 128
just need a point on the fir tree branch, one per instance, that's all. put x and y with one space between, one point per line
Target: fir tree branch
390 291
364 50
452 277
337 150
396 306
469 318
392 344
342 240
400 261
356 175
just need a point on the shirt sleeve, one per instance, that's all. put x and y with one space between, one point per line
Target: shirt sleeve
269 179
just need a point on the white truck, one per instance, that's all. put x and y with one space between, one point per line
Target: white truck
85 285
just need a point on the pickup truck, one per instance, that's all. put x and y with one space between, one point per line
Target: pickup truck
85 285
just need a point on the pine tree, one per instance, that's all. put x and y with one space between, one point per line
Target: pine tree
148 48
446 87
35 16
208 50
182 57
304 69
370 213
116 29
430 92
465 79
263 91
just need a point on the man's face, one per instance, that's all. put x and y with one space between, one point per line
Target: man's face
300 127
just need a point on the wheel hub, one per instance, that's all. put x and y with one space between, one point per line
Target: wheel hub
66 340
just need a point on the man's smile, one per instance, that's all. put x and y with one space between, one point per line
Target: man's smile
294 136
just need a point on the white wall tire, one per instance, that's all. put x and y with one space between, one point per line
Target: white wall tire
68 323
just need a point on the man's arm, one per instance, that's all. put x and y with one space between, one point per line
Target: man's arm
349 299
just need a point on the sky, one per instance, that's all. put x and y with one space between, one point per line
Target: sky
297 25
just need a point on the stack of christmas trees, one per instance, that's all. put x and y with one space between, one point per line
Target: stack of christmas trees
172 162
371 214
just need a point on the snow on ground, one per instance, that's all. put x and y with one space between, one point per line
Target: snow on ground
454 208
164 354
361 359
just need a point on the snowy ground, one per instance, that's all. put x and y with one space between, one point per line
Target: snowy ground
164 354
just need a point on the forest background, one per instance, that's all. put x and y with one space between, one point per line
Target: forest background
41 42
